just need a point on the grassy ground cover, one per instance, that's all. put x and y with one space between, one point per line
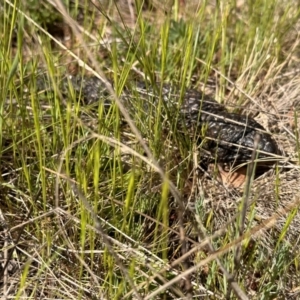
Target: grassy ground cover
110 204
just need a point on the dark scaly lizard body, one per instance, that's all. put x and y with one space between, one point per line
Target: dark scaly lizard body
230 137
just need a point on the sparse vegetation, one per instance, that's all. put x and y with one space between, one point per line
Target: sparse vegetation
94 209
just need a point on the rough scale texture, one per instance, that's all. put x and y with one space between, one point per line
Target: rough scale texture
229 137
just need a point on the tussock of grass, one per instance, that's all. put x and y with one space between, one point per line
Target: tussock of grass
93 207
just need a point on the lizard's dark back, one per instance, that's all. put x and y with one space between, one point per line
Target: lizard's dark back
229 137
